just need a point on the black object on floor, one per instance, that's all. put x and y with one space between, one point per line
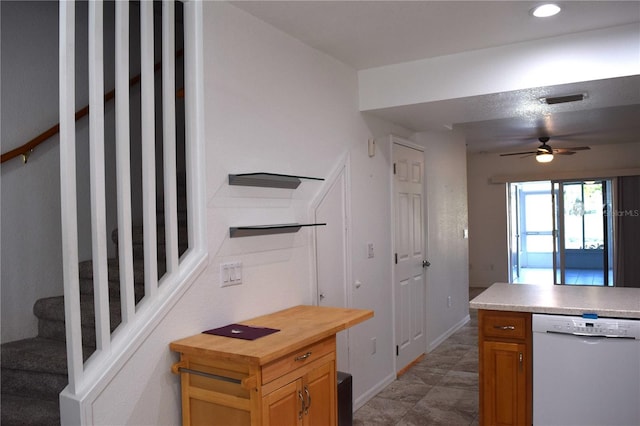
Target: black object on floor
345 399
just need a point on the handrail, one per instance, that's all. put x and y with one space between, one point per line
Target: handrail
26 149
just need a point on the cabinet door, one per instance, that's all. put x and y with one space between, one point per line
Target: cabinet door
284 406
320 390
505 392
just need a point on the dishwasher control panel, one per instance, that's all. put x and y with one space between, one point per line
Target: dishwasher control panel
601 327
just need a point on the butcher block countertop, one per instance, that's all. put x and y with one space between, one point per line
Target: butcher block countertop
614 302
299 326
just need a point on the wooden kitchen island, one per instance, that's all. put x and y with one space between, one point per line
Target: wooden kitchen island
285 378
505 338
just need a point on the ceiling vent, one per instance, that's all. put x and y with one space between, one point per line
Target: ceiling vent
563 99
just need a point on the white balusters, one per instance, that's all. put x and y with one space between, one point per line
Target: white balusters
68 203
169 134
97 176
123 163
137 321
147 101
194 124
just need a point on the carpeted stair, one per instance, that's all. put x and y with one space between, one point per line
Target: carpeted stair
34 370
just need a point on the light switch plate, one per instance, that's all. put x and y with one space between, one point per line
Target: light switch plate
230 274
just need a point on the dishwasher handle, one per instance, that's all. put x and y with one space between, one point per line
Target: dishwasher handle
593 336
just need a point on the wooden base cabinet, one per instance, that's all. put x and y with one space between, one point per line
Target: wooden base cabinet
310 400
288 378
505 368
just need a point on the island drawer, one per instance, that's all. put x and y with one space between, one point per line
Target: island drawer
502 324
304 356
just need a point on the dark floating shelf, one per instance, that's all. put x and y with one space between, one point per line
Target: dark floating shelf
268 180
252 231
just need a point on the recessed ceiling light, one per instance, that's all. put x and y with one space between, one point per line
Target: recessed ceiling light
546 10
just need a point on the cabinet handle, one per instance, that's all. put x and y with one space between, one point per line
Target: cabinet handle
303 357
302 409
520 360
308 404
504 327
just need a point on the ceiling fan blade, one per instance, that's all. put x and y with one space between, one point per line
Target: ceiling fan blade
563 152
528 155
517 153
579 148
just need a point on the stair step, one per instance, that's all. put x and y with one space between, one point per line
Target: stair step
51 325
86 287
138 242
35 354
137 234
35 368
113 269
113 272
41 412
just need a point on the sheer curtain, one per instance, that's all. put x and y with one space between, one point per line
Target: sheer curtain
627 216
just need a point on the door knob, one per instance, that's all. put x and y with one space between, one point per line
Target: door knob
426 263
321 296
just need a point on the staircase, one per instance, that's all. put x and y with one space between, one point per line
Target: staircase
34 370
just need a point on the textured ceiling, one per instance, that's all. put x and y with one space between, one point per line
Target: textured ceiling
365 34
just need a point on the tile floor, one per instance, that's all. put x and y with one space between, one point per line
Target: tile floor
544 276
442 389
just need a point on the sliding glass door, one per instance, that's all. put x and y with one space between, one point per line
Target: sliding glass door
561 232
531 232
583 232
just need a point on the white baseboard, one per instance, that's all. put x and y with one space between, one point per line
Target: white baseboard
444 336
364 398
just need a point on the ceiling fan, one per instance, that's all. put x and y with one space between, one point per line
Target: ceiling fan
545 153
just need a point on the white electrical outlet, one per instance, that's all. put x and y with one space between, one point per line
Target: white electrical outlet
230 274
448 301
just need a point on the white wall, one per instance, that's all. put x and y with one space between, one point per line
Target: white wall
488 255
272 104
31 241
447 249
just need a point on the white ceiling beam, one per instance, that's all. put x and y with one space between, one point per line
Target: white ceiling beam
587 56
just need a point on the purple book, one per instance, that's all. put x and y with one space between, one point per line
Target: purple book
239 331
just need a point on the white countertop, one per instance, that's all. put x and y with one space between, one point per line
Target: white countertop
614 302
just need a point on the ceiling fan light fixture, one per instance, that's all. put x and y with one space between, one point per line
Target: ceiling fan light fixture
544 157
546 10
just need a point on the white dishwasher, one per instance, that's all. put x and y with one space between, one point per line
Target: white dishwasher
586 371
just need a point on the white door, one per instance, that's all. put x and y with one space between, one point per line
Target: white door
330 258
409 276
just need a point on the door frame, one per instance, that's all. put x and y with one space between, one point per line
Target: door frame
513 222
400 141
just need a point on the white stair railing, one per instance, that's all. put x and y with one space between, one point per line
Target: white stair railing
87 380
123 166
